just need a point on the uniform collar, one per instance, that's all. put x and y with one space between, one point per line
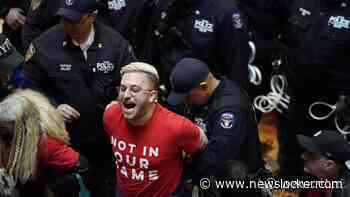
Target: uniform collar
218 89
96 45
88 42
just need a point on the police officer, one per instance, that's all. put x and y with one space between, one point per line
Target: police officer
14 12
213 31
77 63
41 16
224 113
314 36
10 67
118 14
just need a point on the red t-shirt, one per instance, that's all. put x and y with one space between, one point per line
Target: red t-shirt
149 157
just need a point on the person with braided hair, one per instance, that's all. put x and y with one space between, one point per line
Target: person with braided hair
35 157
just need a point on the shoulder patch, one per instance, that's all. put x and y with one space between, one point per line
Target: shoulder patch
35 4
1 25
30 52
237 20
227 120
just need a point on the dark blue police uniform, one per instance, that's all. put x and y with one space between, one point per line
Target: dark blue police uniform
58 68
118 14
213 31
314 35
229 123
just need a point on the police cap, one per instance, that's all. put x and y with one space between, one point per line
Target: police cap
74 10
186 75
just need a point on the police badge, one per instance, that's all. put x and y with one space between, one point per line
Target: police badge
237 21
227 120
35 4
30 52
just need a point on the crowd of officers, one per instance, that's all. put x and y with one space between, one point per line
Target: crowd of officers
311 37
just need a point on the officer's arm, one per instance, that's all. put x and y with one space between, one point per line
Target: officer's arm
227 135
128 55
265 11
34 75
232 47
40 17
266 17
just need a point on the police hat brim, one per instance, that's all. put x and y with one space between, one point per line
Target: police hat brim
176 98
12 61
308 143
69 14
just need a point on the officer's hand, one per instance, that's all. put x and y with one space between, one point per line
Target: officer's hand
15 19
69 113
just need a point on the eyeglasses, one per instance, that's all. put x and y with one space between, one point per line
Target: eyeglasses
134 90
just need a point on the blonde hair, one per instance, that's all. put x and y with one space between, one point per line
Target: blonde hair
150 70
33 116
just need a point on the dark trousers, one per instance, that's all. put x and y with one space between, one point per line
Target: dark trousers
101 159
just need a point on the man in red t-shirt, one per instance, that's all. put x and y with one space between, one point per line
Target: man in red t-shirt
148 141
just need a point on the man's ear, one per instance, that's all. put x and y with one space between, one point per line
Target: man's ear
153 96
328 164
94 14
203 85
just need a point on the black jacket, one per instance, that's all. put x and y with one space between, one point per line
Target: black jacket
315 35
231 127
213 31
118 14
58 68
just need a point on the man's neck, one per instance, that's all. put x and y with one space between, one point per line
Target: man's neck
88 39
214 84
87 43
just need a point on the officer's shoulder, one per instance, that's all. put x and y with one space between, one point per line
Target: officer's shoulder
111 34
232 95
54 34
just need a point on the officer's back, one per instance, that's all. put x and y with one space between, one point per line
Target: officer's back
210 30
314 36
